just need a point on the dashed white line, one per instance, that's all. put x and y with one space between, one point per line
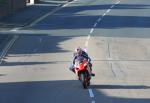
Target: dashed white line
91 93
108 10
99 19
93 102
104 14
117 2
92 30
112 6
66 5
88 37
95 25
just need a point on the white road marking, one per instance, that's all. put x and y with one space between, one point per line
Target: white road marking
117 2
8 46
69 3
86 43
104 14
99 19
92 30
108 10
93 102
95 25
50 13
66 5
88 37
112 6
91 93
44 16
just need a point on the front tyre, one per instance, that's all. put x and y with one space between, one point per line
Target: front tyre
84 80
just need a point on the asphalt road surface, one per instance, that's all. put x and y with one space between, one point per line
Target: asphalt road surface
115 33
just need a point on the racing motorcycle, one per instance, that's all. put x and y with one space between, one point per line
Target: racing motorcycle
82 70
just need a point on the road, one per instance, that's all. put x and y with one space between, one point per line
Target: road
115 33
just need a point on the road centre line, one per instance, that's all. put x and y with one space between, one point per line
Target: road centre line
104 14
99 19
95 25
108 10
117 2
91 93
93 102
112 6
92 30
88 37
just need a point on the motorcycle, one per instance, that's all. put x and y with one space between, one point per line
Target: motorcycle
82 71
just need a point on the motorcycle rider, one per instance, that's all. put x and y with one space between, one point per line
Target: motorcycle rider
79 52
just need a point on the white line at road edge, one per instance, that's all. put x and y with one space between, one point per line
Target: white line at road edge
91 93
8 46
91 30
69 3
51 12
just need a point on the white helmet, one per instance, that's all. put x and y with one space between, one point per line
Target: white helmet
78 50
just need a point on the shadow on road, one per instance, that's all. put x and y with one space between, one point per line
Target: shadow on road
61 91
70 18
119 87
5 63
39 44
27 15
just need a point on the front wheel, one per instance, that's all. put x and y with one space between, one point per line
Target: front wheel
84 80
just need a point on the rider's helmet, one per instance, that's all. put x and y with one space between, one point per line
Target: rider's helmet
78 51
